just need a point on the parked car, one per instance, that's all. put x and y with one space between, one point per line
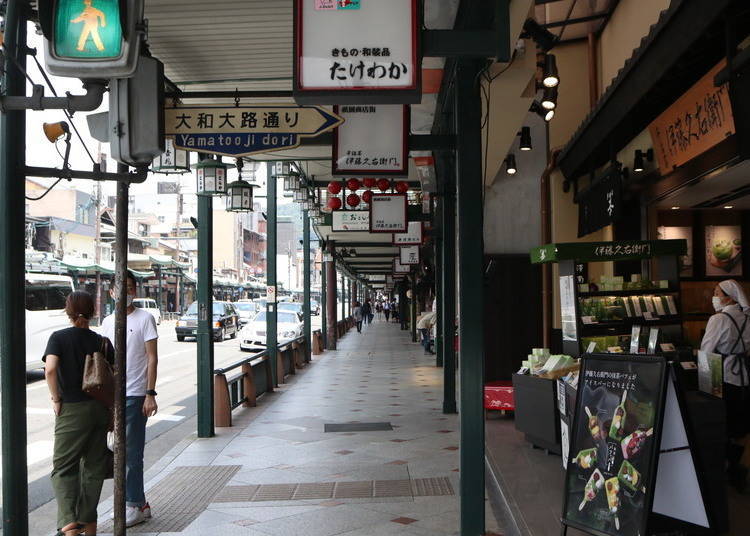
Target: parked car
246 310
289 326
225 322
314 308
294 307
147 304
260 304
45 312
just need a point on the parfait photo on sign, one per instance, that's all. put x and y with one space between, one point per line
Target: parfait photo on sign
612 454
723 250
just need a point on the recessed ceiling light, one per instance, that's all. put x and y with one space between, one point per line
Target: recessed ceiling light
728 206
675 208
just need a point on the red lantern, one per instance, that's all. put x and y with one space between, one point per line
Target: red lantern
367 196
352 200
334 203
402 187
353 184
369 182
334 187
384 184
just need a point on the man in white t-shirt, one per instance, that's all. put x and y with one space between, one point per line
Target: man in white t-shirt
140 403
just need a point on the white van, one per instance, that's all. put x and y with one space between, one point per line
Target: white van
45 312
149 304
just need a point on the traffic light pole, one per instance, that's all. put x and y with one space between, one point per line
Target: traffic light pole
271 318
12 281
205 317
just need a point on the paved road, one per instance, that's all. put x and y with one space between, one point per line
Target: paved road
176 385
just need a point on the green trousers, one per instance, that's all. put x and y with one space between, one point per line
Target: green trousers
79 460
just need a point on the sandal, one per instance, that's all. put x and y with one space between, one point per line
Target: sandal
64 531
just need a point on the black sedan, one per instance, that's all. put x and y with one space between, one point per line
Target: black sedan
225 322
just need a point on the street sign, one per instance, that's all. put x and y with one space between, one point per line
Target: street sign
270 294
91 38
245 130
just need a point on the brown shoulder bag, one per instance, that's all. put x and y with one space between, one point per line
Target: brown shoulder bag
98 378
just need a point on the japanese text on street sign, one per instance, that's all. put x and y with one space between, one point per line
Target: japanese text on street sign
350 220
411 237
245 130
373 140
388 213
357 45
409 255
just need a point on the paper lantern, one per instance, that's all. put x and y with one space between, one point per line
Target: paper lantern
402 187
369 182
352 200
334 203
353 184
367 196
384 184
334 187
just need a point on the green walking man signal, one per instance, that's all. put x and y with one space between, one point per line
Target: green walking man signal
90 17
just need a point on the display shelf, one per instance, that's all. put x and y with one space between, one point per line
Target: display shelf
626 325
627 293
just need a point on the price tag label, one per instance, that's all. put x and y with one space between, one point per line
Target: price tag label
591 347
588 320
689 365
667 347
647 315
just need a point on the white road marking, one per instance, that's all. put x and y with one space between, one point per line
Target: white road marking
39 451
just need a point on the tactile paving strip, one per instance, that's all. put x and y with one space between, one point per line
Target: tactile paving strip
361 489
182 496
358 427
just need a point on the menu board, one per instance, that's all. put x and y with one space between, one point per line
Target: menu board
610 477
568 308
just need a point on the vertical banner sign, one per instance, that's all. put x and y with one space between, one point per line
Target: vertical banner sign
409 255
614 445
388 213
372 141
410 238
356 51
601 204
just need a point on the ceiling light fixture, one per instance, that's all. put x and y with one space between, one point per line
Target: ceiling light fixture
549 100
525 144
550 77
510 164
638 160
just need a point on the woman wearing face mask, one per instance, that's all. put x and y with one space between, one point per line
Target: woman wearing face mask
728 334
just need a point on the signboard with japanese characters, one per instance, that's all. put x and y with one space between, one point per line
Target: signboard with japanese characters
601 203
388 213
697 121
409 255
372 141
399 268
245 130
350 220
356 51
412 237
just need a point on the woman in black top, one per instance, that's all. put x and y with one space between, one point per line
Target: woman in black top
80 455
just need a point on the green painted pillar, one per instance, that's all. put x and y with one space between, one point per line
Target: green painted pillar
271 317
332 297
306 282
437 233
12 280
205 317
413 308
324 302
468 112
448 283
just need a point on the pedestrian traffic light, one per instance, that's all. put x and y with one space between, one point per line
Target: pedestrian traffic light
92 38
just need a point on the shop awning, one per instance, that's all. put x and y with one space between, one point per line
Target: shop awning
167 261
681 47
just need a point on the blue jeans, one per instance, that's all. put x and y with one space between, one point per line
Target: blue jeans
135 442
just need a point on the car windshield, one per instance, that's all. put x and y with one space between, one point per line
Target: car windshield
290 306
281 318
193 309
245 306
46 295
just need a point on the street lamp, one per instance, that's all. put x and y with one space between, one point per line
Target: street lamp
212 177
172 160
240 192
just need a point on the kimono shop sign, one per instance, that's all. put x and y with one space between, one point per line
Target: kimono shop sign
412 237
245 130
409 255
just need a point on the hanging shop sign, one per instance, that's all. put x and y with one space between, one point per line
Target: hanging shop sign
631 453
356 51
245 130
607 251
350 220
372 141
400 269
409 255
600 204
388 213
412 237
723 250
697 121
